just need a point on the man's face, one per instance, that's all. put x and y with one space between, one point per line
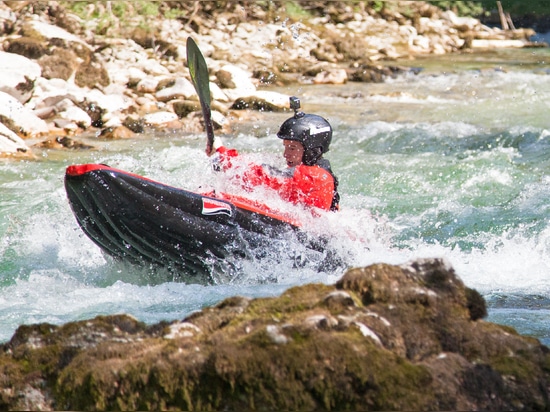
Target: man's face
294 151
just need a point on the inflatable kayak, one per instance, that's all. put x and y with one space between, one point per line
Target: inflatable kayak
201 238
141 221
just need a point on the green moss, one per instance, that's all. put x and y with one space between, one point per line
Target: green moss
377 5
514 366
462 8
520 7
348 372
295 11
293 300
506 328
342 371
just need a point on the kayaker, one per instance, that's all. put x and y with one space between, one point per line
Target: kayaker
309 179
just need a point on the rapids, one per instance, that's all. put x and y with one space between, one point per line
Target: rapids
451 162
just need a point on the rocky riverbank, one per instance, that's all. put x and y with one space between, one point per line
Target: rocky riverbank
62 76
384 337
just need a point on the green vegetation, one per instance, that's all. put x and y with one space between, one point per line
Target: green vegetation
479 8
110 9
142 10
520 7
108 13
295 11
462 8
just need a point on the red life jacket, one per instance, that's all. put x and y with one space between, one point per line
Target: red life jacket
311 186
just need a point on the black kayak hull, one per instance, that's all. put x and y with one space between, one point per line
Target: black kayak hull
141 221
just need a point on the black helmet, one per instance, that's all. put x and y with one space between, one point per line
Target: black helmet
310 130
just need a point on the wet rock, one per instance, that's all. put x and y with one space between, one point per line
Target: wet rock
262 100
183 107
119 132
383 338
63 142
135 124
371 73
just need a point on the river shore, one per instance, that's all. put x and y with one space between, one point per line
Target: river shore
65 76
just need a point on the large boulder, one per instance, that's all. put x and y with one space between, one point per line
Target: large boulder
60 54
43 31
263 100
10 143
17 75
384 337
19 119
179 88
235 81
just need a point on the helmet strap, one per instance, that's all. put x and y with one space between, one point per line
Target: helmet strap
312 156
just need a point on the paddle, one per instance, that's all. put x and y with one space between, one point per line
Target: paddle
199 77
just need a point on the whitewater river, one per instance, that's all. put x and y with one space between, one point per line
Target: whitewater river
453 162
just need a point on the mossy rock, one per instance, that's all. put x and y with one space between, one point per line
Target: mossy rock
383 338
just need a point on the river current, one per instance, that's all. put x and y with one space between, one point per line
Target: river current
451 162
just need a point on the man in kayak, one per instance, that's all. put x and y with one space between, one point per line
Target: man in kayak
309 179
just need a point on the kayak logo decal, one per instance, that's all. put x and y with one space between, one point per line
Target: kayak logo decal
212 207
